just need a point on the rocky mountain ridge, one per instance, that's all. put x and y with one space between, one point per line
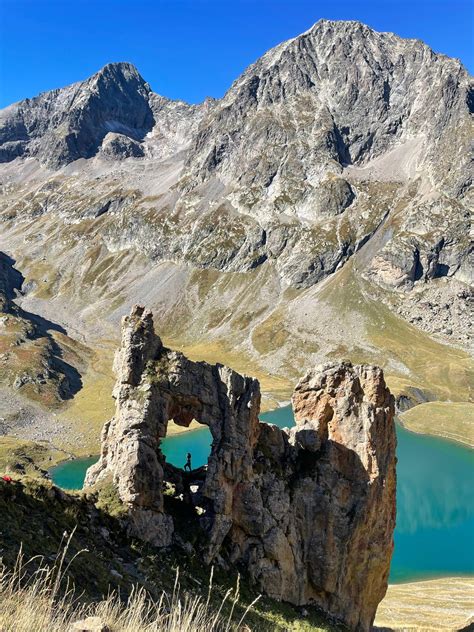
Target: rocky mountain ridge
340 94
329 102
356 90
323 200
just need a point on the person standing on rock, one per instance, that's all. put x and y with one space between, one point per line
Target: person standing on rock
188 462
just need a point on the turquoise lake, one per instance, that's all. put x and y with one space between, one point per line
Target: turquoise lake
435 497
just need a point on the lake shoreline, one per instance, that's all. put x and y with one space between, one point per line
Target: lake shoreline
434 435
420 604
429 544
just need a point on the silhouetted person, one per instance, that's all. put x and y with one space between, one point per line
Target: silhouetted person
188 462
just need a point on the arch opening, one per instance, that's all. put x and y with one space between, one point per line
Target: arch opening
185 456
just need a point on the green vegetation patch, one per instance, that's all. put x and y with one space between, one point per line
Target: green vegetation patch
23 456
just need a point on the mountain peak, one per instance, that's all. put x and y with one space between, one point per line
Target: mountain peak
124 69
340 24
116 98
123 74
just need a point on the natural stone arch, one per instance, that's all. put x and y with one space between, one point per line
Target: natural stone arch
154 386
308 513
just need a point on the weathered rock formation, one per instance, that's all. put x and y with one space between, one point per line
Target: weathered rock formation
308 512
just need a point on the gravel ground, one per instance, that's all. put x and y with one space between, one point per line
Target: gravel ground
19 418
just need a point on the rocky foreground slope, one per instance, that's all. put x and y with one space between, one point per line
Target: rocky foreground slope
308 513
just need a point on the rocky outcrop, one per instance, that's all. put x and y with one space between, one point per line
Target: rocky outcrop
119 147
308 512
90 624
155 385
344 414
10 282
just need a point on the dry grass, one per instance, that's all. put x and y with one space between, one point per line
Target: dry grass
43 599
451 420
438 604
269 335
29 455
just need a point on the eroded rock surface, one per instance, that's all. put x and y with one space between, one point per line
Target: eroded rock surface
308 513
61 126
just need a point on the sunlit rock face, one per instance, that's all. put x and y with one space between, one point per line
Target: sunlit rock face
64 125
340 94
308 513
344 414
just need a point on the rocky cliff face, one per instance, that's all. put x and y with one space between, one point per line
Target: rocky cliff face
338 95
307 513
63 125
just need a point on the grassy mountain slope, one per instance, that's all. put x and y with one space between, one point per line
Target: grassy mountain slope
38 518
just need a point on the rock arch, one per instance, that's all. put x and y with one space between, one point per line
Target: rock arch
156 385
308 513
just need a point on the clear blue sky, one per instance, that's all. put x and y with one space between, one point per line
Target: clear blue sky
190 49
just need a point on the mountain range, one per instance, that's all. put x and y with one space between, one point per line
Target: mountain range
320 209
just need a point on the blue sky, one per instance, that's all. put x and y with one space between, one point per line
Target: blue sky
190 49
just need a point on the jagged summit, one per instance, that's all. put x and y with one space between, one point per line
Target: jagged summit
338 25
356 25
120 73
121 67
63 125
116 71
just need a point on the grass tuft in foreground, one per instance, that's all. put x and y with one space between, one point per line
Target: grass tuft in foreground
44 600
